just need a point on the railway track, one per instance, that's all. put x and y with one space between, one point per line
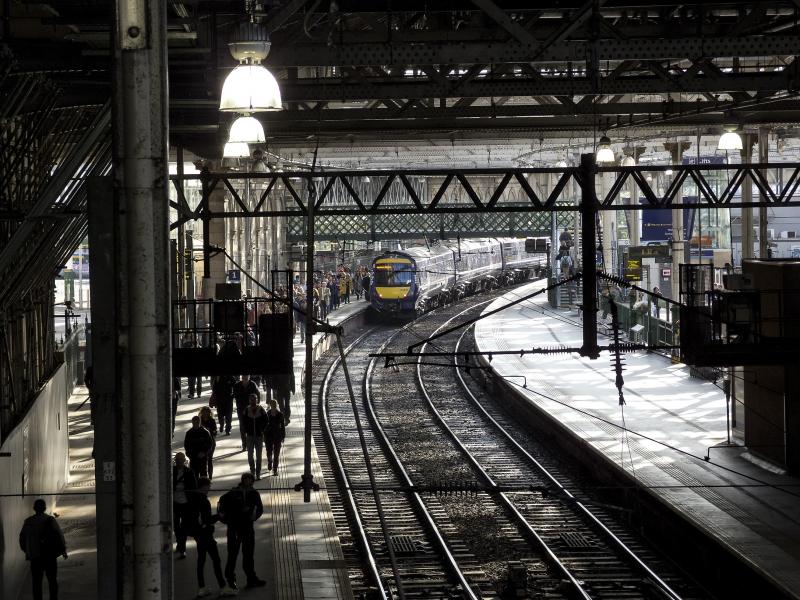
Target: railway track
466 506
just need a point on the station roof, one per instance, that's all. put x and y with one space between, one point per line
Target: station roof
475 70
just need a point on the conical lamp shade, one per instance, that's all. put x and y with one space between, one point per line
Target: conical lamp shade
249 89
730 140
247 130
236 150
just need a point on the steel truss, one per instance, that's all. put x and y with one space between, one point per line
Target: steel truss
482 191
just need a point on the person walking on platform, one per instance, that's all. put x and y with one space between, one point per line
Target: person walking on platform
274 434
204 536
184 483
198 442
209 423
239 509
42 542
255 420
222 392
283 386
241 392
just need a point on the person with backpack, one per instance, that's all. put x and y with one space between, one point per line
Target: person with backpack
42 542
203 525
239 509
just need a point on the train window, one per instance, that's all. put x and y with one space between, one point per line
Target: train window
394 275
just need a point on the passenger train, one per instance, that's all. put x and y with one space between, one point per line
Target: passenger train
420 278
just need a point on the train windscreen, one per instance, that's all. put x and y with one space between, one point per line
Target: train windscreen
393 275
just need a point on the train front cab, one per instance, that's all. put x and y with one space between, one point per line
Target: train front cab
394 286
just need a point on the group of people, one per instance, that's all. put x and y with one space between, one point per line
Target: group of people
259 428
330 291
238 509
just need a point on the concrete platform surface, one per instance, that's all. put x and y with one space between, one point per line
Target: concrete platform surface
297 546
750 509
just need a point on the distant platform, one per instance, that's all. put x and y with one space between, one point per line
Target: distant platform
757 522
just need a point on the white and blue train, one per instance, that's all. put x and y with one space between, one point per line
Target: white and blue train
420 278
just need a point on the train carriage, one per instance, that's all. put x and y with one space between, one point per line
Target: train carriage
411 281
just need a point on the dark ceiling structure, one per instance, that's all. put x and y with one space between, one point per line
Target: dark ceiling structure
471 68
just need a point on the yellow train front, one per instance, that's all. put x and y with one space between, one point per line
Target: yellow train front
394 288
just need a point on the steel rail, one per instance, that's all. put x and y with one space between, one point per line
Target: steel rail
417 498
615 541
342 472
509 505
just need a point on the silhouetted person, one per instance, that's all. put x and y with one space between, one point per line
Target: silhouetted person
198 443
184 483
42 542
239 509
274 434
204 536
241 392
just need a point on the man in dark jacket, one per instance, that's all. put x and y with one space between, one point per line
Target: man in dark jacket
223 395
203 524
239 509
254 421
184 484
241 392
198 443
42 542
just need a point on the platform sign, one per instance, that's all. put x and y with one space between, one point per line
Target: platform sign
633 269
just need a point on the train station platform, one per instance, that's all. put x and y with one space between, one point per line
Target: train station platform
297 546
750 509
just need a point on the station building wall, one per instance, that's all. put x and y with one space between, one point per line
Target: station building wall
34 464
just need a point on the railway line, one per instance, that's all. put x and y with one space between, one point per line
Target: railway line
470 505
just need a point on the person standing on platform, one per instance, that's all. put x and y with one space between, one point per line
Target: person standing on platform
241 393
336 292
344 288
239 509
42 542
222 391
197 443
365 283
255 420
274 434
184 483
204 536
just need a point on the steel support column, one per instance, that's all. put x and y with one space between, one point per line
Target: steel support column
140 134
763 156
588 211
748 140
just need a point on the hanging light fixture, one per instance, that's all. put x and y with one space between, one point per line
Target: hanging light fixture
236 150
247 130
562 164
604 152
730 140
628 161
250 87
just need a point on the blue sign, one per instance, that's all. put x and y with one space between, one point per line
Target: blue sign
234 276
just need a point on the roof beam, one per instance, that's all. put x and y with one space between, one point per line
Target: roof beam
351 52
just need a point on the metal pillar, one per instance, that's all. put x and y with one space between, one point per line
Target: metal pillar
103 239
748 140
307 480
588 211
763 157
676 150
140 134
